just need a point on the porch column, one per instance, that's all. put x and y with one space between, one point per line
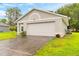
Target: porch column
18 28
25 26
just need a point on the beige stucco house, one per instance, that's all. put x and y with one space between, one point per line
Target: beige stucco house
42 23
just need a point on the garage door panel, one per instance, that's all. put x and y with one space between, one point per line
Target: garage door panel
41 29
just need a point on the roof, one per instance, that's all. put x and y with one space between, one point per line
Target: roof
3 24
43 11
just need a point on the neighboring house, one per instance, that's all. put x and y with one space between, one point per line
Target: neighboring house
42 23
4 27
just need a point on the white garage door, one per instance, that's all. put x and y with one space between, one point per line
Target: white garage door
41 29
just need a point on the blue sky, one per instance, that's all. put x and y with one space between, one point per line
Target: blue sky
25 7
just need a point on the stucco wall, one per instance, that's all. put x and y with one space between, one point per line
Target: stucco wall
55 28
42 15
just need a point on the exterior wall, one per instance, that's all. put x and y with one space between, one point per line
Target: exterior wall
32 29
42 15
64 28
3 29
60 27
31 17
49 29
66 20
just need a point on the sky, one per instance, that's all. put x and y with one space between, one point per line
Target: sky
25 7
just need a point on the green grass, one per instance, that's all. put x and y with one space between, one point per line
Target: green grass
66 46
7 35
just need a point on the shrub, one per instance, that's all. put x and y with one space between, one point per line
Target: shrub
13 28
23 33
58 35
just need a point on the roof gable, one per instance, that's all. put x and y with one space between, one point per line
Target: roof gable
42 11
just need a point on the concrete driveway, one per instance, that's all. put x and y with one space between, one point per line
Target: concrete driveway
22 46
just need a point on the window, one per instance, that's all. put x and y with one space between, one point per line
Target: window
22 28
68 27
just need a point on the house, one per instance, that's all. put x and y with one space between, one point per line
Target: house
42 23
4 27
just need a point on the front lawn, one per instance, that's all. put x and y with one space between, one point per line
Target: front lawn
66 46
7 35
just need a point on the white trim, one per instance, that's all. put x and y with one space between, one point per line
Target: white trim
37 15
41 21
45 19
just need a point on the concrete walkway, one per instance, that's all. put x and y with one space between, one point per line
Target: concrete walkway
22 46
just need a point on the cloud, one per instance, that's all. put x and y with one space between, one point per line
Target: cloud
8 5
31 4
15 4
2 13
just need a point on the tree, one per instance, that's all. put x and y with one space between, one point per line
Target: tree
3 20
13 14
71 10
